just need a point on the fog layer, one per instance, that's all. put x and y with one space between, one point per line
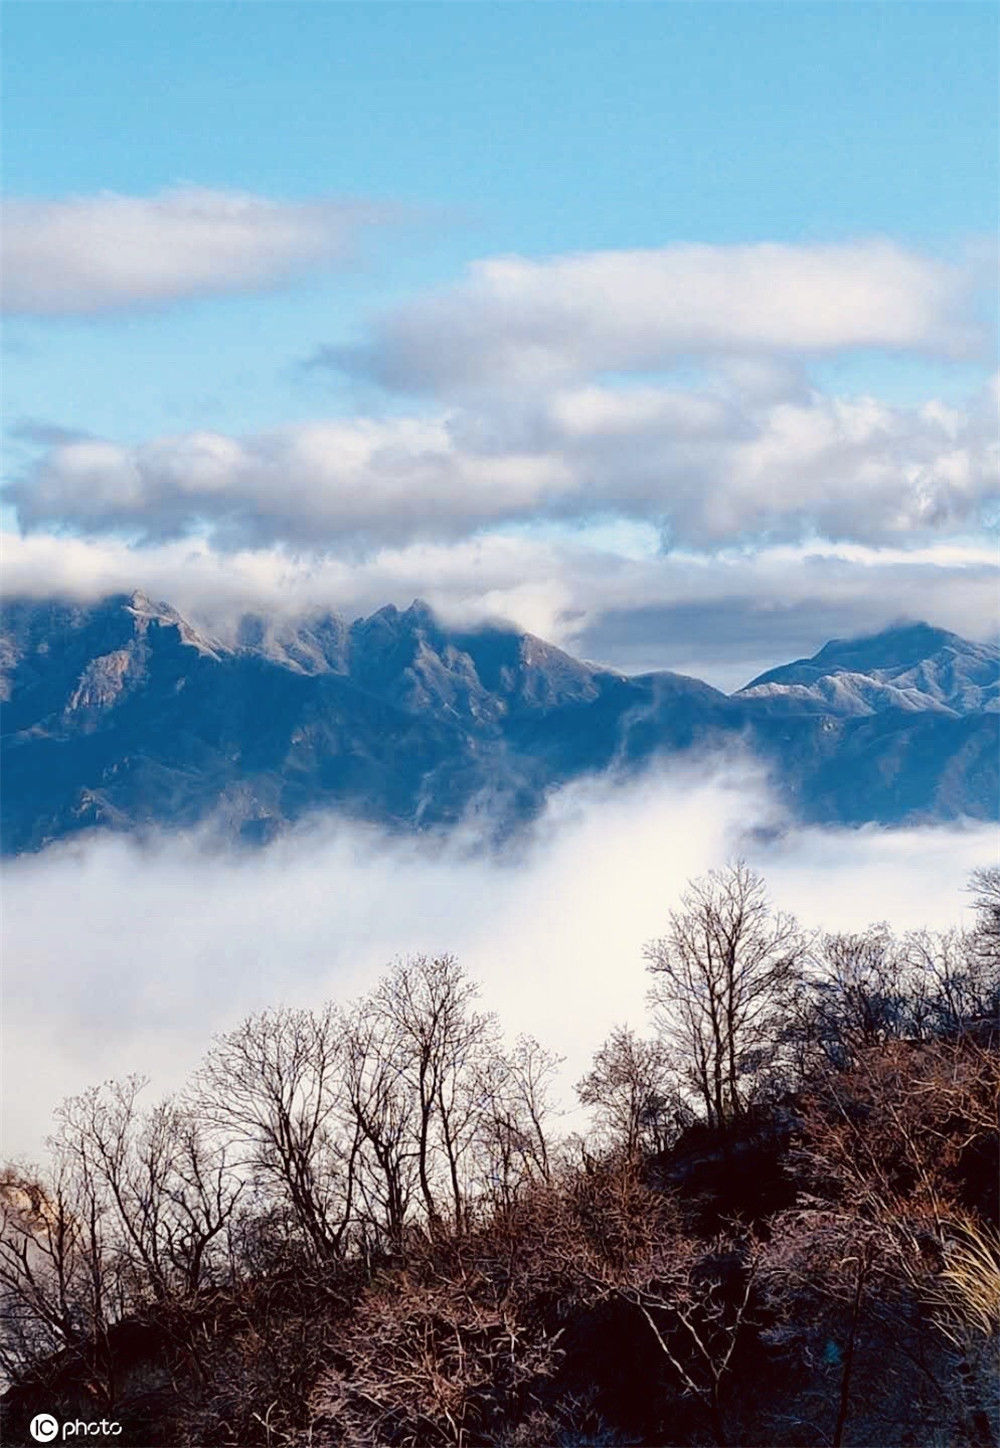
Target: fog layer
121 956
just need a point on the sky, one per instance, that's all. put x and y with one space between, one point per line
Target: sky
664 330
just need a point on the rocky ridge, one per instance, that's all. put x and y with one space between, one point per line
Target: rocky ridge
122 715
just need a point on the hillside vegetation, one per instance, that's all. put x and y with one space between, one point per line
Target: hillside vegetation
368 1225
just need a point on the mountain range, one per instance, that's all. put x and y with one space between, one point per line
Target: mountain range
121 715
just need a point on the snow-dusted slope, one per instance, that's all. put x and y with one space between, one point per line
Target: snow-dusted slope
120 715
913 668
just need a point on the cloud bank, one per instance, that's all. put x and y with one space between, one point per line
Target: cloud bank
717 518
611 597
120 957
85 255
704 467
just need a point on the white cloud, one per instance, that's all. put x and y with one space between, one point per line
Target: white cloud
720 526
312 483
705 466
90 254
121 957
513 320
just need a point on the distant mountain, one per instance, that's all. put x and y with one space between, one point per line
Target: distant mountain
913 667
121 715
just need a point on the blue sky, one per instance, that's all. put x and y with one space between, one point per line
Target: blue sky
556 126
538 130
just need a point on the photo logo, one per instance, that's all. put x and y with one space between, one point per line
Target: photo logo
45 1429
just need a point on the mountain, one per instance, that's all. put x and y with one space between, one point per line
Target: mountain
122 715
913 668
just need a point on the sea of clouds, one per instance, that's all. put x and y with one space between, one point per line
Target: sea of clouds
124 956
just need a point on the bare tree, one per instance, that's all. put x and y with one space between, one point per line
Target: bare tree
137 1204
855 996
125 1171
426 1006
513 1088
379 1098
723 975
953 981
271 1088
55 1290
631 1089
164 1192
356 1227
204 1192
984 887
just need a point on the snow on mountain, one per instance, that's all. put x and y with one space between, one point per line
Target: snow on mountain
121 715
912 668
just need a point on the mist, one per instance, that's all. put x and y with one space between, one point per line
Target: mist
123 956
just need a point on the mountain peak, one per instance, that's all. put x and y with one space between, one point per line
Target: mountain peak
913 667
898 645
420 612
120 714
418 615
